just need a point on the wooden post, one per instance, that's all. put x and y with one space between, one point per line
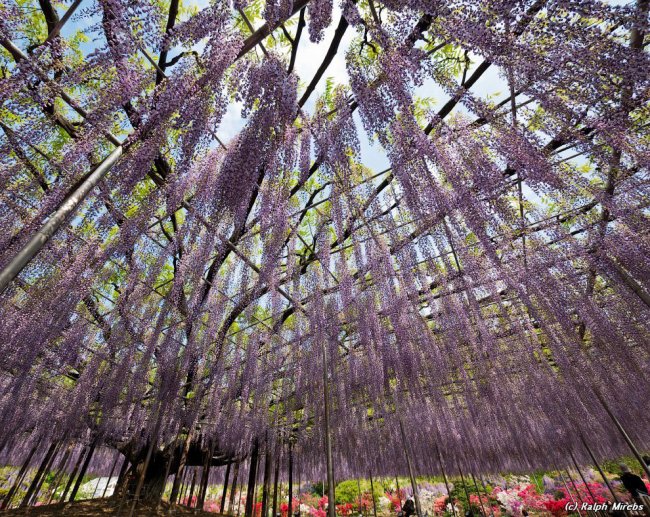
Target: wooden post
59 475
189 497
372 492
486 495
110 475
233 489
186 484
153 441
331 496
39 473
569 491
71 479
602 474
252 476
181 468
241 485
414 485
464 485
82 473
19 477
479 494
624 434
205 477
276 477
48 469
575 463
225 488
266 481
359 492
290 510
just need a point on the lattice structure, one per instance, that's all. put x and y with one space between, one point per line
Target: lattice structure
171 285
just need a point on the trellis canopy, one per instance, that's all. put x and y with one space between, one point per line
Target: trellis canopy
351 222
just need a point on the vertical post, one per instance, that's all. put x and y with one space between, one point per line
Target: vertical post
110 475
233 489
225 488
624 434
602 474
486 495
372 492
39 473
575 463
462 478
59 475
168 467
575 487
21 474
252 476
74 474
189 497
444 477
181 468
569 492
331 496
147 459
479 494
187 474
276 476
299 471
359 493
82 473
414 485
241 485
290 510
266 481
205 477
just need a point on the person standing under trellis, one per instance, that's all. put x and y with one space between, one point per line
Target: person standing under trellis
409 507
632 483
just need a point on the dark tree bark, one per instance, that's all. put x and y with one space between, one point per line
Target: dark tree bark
71 479
276 476
252 476
233 489
21 474
225 489
35 485
266 481
205 478
189 498
89 456
290 511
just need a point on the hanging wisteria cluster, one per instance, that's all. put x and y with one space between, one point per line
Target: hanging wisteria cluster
488 295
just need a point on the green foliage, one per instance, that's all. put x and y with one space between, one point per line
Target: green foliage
348 491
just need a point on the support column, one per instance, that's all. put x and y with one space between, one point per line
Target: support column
331 496
290 510
602 474
252 476
110 475
624 434
233 490
82 473
266 481
41 470
225 488
372 492
276 476
21 474
414 485
71 479
444 476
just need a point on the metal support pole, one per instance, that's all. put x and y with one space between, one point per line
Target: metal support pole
414 484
